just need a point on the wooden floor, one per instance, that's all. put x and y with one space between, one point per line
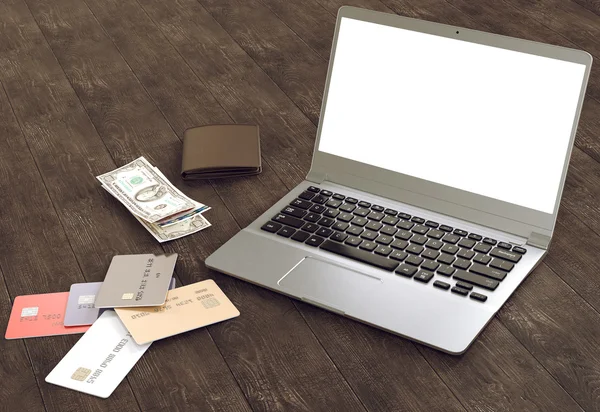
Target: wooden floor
87 86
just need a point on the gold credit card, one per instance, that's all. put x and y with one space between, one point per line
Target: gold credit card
186 308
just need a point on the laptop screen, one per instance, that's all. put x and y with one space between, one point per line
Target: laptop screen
482 119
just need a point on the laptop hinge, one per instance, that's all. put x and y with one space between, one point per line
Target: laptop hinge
316 177
539 240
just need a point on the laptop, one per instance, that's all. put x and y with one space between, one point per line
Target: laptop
436 178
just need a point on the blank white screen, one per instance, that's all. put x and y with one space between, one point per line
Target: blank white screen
486 120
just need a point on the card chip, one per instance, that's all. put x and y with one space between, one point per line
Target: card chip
81 374
210 303
127 296
86 299
33 311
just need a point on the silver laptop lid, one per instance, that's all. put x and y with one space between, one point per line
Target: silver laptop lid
470 124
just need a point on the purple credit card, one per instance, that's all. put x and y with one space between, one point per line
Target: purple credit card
80 305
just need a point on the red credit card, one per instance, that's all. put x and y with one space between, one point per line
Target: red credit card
40 315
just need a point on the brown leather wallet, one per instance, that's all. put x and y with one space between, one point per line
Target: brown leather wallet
221 151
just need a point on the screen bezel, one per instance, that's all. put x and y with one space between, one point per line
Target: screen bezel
433 196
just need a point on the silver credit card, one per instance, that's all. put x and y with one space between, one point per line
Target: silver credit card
136 280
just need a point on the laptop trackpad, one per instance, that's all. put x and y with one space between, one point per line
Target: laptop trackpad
328 284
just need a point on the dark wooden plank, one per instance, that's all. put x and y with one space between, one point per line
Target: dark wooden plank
536 315
88 56
591 5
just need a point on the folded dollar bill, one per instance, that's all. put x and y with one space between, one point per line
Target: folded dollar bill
159 206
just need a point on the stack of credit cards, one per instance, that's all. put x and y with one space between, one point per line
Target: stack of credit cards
136 304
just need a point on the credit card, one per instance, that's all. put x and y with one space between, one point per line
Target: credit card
136 280
81 306
187 308
40 315
100 360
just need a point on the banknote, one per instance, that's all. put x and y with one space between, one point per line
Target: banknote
146 193
177 230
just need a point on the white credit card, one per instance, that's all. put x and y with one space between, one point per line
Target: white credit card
100 360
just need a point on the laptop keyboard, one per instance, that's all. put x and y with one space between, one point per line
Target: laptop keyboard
395 241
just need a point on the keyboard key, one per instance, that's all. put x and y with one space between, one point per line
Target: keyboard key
345 217
355 230
383 250
446 228
319 199
372 225
430 254
339 236
391 212
364 204
441 285
326 193
464 285
419 239
312 217
360 255
286 231
359 221
398 255
302 204
430 265
271 227
519 249
384 239
432 224
435 234
459 291
377 208
475 236
446 259
388 230
314 240
467 243
341 226
324 232
351 200
368 245
333 203
461 263
300 236
488 271
451 238
332 213
478 296
310 227
406 270
414 249
417 219
347 207
476 280
390 220
446 270
434 244
399 244
489 241
505 254
293 211
318 208
306 195
339 197
451 249
361 211
404 234
482 248
414 260
504 245
314 189
460 232
465 254
326 222
369 235
420 229
403 224
423 276
502 264
288 220
376 216
483 259
353 241
404 216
